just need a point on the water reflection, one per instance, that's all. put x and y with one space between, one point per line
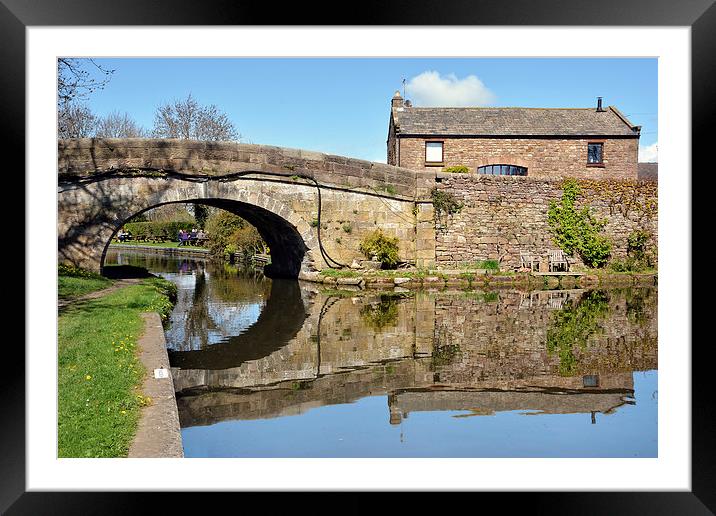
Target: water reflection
244 348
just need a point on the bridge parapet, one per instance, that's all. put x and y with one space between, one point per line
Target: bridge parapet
89 156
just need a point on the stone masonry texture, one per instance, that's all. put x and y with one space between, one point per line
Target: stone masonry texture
105 182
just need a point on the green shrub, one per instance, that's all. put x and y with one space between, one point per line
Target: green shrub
576 230
459 169
149 230
444 202
638 256
382 247
638 247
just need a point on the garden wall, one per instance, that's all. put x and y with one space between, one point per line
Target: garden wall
505 215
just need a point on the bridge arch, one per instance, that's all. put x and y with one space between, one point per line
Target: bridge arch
282 192
292 240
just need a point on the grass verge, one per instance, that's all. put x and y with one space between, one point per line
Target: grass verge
99 373
74 282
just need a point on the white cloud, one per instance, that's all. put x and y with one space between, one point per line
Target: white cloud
649 154
431 89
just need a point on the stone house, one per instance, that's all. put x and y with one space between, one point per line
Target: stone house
539 142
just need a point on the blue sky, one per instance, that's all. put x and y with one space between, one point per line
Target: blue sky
341 106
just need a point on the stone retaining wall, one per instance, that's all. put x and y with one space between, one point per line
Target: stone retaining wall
503 216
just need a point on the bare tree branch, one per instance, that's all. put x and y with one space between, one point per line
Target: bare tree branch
186 119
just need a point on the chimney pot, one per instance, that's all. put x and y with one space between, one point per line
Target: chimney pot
599 105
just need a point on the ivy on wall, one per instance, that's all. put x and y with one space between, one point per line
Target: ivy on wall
625 196
578 230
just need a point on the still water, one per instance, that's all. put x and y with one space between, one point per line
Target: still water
278 368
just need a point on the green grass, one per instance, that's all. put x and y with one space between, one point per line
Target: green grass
481 264
98 371
69 287
74 282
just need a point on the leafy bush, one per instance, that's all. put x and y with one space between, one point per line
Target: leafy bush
228 233
459 169
444 202
382 247
576 230
638 256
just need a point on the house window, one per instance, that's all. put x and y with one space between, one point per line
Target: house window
590 380
595 153
502 170
434 152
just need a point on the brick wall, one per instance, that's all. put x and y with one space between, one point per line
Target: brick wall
543 157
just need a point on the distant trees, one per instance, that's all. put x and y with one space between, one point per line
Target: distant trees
118 125
75 120
76 80
229 233
184 119
187 119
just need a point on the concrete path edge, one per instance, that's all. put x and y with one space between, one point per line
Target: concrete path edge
158 434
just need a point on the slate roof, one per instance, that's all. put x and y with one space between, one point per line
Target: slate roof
511 121
647 170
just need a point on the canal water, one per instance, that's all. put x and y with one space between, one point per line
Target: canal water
279 368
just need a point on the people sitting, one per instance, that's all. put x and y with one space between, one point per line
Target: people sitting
183 238
123 235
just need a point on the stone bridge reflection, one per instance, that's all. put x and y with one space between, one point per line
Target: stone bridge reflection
476 352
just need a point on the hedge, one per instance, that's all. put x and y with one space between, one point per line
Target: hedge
168 230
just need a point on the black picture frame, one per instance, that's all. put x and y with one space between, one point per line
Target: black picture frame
699 15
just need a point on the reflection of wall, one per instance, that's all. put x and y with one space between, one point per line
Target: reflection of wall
498 344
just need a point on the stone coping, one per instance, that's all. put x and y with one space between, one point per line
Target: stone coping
158 434
482 279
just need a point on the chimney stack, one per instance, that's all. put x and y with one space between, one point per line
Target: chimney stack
599 105
397 100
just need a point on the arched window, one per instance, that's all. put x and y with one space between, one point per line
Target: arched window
502 170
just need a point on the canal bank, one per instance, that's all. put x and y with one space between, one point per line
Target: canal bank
169 251
158 433
100 373
478 279
443 278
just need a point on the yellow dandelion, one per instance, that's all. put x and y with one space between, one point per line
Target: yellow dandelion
88 377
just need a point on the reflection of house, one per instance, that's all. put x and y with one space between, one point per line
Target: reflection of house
580 142
585 397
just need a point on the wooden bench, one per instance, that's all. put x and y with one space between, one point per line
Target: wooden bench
557 260
529 261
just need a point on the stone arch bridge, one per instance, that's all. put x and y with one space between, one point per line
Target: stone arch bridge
311 208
